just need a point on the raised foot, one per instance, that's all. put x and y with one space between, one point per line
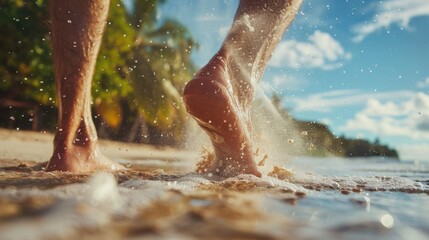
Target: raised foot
81 160
211 100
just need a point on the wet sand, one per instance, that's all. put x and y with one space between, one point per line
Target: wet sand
210 209
162 196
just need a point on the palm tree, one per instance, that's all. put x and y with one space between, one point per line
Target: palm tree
161 67
153 77
141 69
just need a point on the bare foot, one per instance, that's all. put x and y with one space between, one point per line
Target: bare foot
79 159
221 109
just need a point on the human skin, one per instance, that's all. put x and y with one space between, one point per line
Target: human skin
77 28
218 97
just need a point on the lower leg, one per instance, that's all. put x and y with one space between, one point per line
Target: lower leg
77 28
220 94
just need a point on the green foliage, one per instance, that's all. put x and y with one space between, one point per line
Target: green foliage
141 70
25 59
144 13
111 80
160 78
161 67
363 148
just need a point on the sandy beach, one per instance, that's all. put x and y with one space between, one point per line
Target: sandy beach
161 197
28 146
170 200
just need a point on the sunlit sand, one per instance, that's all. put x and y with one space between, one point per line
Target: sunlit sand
162 195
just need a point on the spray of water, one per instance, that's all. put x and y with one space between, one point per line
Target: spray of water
275 138
274 135
244 55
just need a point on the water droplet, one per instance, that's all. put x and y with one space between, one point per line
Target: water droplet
387 221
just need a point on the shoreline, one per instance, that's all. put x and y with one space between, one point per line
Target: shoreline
28 146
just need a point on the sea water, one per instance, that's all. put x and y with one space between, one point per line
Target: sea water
394 203
340 199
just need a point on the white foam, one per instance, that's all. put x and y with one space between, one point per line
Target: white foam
352 174
93 204
87 205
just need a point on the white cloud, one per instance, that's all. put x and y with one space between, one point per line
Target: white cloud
325 121
326 101
400 114
320 51
391 12
424 83
407 118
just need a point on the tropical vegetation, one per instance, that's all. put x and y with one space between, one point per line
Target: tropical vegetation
141 70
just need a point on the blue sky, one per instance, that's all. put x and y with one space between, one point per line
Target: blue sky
361 67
